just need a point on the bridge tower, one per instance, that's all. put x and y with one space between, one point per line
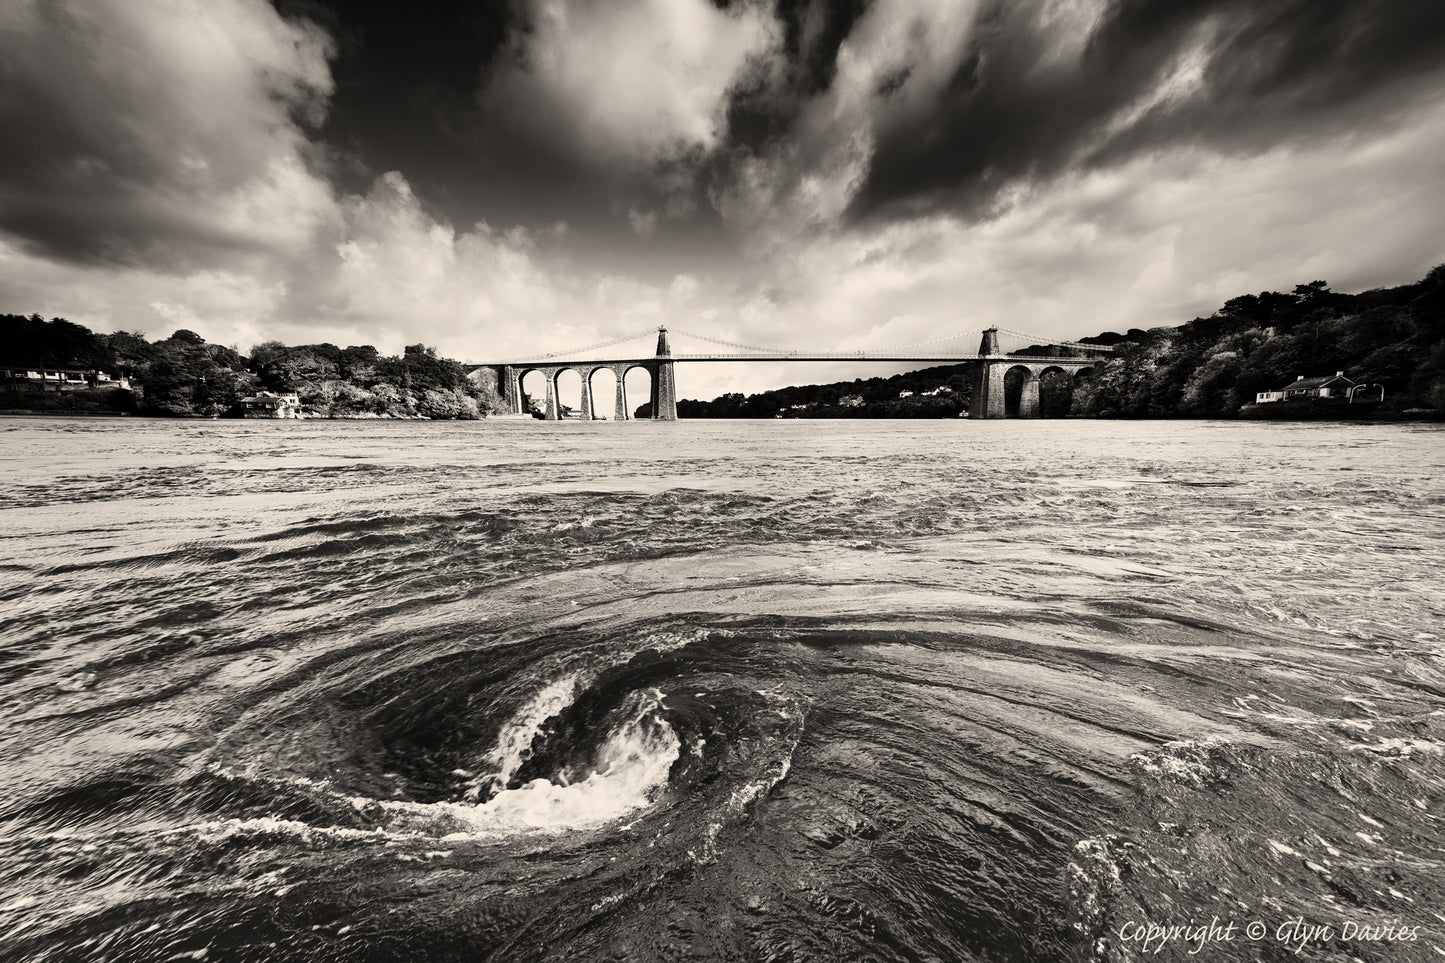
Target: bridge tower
664 381
988 399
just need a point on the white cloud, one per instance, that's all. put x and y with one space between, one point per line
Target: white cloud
226 306
911 49
633 82
401 274
1069 24
1152 242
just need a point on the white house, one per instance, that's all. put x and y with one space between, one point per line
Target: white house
1304 388
269 404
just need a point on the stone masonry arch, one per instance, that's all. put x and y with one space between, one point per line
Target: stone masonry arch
988 396
1028 397
627 369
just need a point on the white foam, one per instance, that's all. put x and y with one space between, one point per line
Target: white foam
231 830
628 770
514 742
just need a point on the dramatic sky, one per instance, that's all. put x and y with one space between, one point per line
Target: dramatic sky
504 177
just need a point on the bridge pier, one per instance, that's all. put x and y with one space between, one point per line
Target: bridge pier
587 394
988 400
664 382
993 368
620 412
664 393
660 369
507 383
1029 397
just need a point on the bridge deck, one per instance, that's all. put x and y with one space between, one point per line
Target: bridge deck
815 356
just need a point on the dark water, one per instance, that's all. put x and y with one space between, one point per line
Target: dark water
731 691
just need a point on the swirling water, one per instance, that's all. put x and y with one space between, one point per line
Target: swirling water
734 690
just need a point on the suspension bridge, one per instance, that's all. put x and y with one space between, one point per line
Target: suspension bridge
999 351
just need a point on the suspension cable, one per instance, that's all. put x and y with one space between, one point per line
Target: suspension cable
734 344
602 344
924 344
1035 339
863 353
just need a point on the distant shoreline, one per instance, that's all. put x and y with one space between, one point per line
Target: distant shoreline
36 413
1336 417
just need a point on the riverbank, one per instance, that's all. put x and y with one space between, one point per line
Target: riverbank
111 413
1377 417
1320 410
83 401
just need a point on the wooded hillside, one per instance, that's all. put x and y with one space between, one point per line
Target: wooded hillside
183 376
1206 368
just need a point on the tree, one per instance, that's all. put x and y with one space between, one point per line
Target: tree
435 403
1056 394
358 363
1209 391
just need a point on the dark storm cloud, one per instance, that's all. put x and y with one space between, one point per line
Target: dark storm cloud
430 89
813 31
108 123
1272 74
405 79
134 138
423 88
1316 68
606 115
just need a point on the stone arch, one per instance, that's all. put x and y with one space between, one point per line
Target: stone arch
1020 391
568 386
1056 391
635 390
1010 388
536 399
600 398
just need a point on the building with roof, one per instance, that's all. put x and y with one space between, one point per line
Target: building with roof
61 379
269 404
1302 389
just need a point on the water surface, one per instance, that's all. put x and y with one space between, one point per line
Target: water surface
728 690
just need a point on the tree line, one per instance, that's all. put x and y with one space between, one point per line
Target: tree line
1214 366
939 392
184 376
1210 367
